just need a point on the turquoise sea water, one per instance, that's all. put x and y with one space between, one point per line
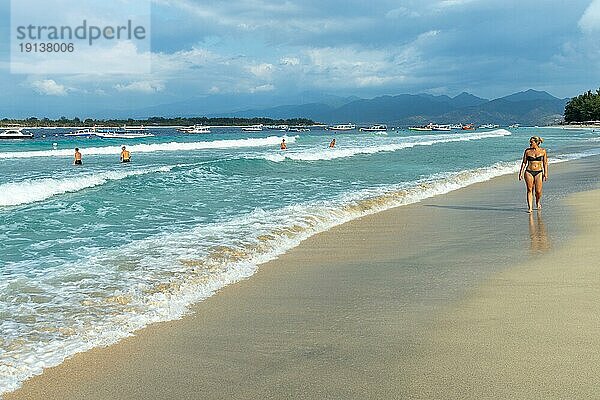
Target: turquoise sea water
90 253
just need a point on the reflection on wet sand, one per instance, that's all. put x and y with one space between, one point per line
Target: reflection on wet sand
540 242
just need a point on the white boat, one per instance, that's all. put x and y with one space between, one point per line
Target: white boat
298 129
86 132
342 127
456 126
489 126
375 128
119 135
252 128
123 132
443 128
194 129
277 127
428 127
514 126
199 129
15 133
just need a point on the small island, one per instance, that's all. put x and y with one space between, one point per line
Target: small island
61 122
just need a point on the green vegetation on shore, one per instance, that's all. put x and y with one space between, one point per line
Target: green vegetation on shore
585 107
154 121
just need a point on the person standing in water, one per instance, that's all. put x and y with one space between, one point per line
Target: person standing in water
77 160
534 169
125 155
283 146
332 144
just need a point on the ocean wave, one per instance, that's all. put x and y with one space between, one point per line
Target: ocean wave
30 191
407 142
154 147
157 278
576 156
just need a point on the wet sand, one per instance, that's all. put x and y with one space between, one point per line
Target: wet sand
530 332
460 296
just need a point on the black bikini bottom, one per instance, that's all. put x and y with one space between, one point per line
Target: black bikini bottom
534 173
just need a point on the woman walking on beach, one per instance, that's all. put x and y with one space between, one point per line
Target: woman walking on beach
534 169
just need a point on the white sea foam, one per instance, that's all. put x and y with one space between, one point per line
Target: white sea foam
403 143
155 147
30 191
157 278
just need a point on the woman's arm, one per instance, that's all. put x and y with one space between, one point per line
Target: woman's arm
523 164
545 175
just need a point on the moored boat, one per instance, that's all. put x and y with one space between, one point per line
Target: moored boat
489 126
15 133
375 128
444 128
195 129
342 127
119 135
298 129
85 132
252 128
277 127
428 127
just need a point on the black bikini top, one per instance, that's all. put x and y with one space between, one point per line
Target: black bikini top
539 158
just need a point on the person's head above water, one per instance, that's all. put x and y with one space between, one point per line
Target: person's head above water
123 148
76 148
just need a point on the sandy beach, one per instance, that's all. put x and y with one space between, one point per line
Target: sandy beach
460 296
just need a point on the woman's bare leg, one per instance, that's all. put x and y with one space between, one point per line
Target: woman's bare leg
538 190
529 181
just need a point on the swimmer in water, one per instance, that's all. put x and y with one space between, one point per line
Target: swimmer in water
77 160
332 144
283 146
125 155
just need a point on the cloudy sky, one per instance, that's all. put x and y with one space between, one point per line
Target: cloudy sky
297 50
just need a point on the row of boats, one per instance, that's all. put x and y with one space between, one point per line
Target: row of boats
124 132
379 127
134 132
200 129
450 127
283 128
339 127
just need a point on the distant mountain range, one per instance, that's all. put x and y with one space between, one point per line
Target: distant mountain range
530 107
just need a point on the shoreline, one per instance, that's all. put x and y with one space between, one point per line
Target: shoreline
220 309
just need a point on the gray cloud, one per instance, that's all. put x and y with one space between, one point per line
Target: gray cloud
490 48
